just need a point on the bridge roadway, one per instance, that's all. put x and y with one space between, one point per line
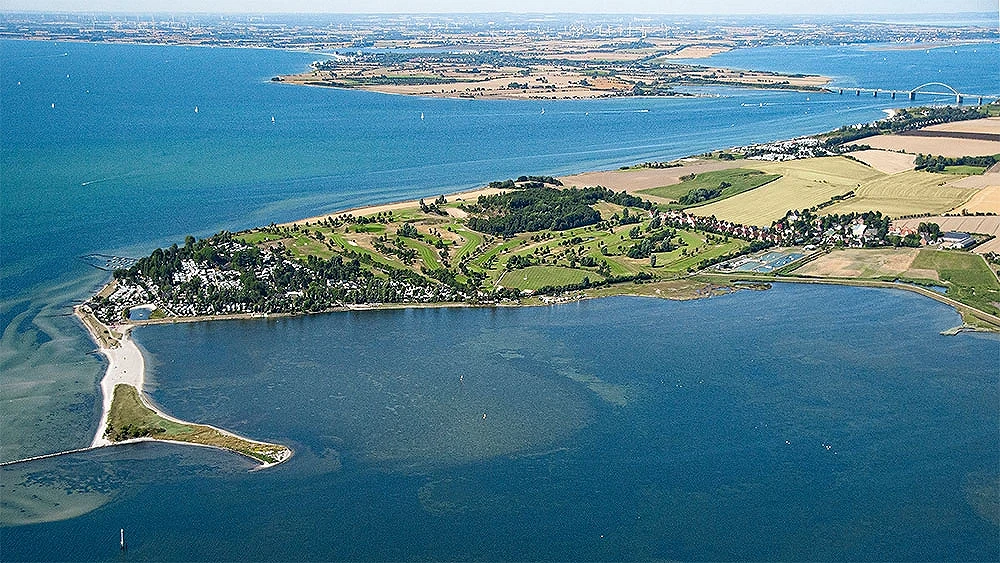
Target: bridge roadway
911 95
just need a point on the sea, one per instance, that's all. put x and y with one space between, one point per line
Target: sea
802 422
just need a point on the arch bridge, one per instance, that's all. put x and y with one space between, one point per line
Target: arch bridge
929 88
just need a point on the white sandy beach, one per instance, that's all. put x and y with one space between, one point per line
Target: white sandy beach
125 365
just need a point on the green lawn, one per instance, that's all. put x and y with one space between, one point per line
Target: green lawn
427 253
302 245
969 278
740 180
343 243
254 238
369 228
535 277
472 240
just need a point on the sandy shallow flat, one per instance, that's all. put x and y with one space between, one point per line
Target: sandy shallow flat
885 161
125 365
938 146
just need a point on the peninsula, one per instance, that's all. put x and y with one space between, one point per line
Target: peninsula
679 229
823 209
127 415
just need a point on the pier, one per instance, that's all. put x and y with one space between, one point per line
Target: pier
929 89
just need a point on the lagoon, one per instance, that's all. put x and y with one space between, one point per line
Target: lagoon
617 429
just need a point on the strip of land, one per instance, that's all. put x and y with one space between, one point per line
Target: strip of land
128 417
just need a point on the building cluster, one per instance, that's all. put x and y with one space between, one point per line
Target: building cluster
226 283
778 151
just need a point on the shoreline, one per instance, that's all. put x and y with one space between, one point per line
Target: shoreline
123 354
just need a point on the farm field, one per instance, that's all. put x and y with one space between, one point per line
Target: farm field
871 263
735 180
803 184
986 200
989 125
885 161
967 277
638 179
938 146
906 193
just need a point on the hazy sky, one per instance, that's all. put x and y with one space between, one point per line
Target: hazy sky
545 6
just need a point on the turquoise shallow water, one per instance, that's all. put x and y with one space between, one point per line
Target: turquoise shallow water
401 466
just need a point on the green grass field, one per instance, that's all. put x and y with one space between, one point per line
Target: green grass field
129 418
906 193
803 184
256 237
428 254
969 278
741 180
302 246
472 240
535 277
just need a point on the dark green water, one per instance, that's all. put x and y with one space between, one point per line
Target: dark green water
616 429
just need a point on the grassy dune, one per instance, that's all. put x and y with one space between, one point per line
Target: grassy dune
131 418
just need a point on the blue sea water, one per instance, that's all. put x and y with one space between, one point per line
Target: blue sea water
589 431
617 429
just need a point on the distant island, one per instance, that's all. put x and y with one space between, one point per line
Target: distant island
571 71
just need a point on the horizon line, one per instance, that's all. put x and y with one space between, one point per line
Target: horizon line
485 13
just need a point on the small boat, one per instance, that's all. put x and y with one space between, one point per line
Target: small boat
196 109
543 111
272 119
421 116
53 105
123 539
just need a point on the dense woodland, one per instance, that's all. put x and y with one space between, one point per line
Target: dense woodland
543 208
939 163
